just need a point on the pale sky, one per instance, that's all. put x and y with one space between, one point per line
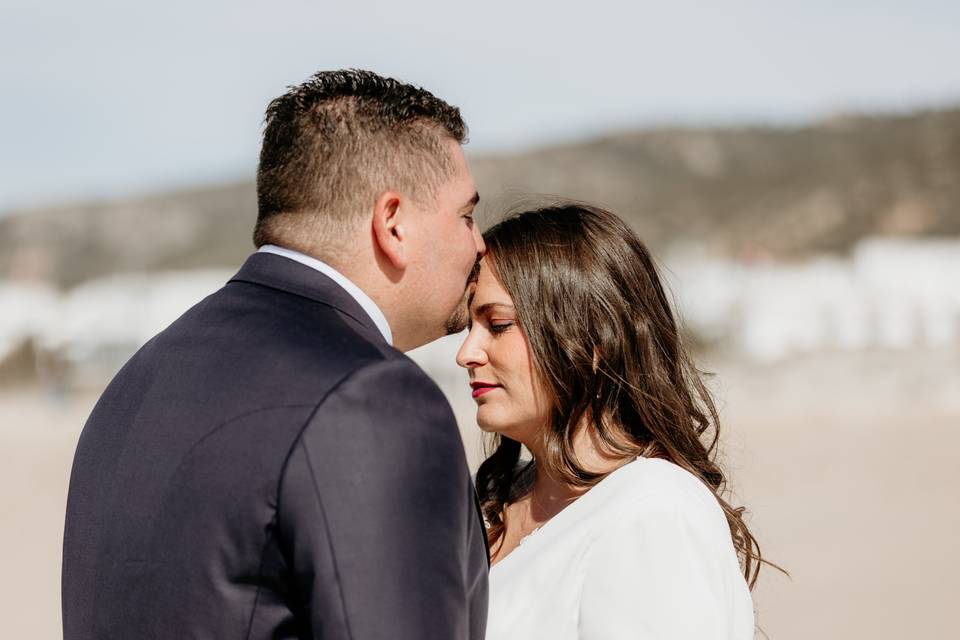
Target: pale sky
104 98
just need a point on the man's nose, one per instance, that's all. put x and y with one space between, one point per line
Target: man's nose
481 245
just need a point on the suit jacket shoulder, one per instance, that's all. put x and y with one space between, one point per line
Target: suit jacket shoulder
179 518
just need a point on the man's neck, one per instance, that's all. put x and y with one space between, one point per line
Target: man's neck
348 284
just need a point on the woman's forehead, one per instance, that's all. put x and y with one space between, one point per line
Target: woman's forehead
489 292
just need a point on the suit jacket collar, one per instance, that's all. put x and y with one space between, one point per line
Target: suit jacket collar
284 274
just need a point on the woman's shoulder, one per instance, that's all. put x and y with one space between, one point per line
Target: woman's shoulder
654 485
669 547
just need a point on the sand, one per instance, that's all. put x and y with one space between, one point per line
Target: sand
845 463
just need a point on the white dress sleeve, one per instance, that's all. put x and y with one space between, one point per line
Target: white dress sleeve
661 573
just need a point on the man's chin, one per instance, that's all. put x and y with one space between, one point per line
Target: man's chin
458 320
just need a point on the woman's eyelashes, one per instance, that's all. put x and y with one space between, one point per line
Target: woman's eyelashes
499 326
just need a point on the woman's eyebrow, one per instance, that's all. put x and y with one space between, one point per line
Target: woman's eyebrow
489 306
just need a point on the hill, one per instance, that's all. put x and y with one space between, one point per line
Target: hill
742 192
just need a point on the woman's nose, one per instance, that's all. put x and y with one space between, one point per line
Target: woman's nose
471 355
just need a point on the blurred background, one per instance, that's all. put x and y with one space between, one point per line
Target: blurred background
794 166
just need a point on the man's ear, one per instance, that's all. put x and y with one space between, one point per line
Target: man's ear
389 233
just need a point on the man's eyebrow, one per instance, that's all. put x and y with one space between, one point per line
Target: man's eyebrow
472 202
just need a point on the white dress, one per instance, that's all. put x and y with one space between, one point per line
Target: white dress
644 555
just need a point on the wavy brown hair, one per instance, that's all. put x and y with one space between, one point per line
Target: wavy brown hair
607 348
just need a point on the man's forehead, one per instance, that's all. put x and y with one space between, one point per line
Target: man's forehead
459 158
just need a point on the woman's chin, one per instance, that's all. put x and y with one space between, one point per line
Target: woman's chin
487 427
487 422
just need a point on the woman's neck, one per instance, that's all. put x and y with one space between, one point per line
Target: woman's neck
551 494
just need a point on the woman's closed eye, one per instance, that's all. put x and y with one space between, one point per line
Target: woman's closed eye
499 326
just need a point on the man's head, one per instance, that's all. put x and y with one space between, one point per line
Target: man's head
367 174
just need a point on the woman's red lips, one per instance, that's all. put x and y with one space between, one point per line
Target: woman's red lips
480 388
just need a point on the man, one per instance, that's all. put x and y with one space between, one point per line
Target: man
271 465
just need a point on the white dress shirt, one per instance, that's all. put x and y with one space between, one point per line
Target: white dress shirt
645 554
355 292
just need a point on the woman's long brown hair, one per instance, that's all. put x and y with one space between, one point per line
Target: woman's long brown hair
605 344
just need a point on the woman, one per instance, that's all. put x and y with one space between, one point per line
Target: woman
617 527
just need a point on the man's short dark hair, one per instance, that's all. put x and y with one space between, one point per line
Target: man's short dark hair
334 143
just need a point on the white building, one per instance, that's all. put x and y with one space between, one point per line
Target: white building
890 294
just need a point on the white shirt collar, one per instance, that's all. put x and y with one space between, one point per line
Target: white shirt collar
355 292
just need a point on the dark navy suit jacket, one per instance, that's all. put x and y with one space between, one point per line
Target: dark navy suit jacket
269 467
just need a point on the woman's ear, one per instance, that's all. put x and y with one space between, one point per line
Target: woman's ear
389 233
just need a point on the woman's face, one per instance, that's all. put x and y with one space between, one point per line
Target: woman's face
510 400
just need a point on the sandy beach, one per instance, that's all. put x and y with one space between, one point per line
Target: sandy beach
844 462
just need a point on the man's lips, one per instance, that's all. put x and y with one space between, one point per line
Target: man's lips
480 388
